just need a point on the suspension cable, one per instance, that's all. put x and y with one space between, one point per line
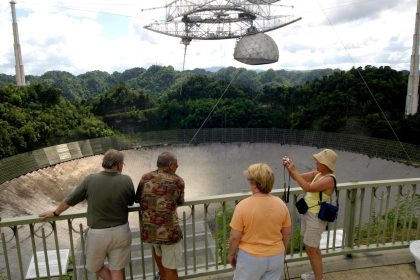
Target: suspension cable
215 105
365 84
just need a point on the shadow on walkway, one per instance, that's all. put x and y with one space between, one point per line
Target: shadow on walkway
383 265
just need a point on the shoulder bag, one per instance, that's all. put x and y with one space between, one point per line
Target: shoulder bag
328 212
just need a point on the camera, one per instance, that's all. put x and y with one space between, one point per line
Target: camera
286 160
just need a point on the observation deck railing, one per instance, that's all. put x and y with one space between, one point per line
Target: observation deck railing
374 216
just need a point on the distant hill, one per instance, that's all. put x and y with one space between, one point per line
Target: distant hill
156 80
60 107
213 69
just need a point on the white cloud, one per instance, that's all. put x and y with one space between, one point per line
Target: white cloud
75 36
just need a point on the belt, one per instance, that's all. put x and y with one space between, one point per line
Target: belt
107 226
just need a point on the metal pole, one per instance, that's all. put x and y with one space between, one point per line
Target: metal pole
412 100
20 73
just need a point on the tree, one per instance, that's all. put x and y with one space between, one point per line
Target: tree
37 116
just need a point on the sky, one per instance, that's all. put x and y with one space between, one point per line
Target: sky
79 36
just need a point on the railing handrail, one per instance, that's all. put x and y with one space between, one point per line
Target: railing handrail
72 214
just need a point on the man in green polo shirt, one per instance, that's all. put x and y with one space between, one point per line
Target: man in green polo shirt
108 194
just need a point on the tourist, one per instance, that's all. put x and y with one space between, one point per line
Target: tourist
322 181
260 229
108 194
159 193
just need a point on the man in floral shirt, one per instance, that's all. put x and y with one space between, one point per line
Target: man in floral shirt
159 193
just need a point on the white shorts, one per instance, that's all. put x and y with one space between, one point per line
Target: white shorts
112 243
171 254
312 228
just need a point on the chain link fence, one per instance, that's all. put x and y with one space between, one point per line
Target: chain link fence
24 163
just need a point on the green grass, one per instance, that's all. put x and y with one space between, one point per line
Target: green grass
398 224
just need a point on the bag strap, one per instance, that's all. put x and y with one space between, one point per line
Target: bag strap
286 189
335 189
308 205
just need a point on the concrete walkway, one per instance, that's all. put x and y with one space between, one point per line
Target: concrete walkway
384 265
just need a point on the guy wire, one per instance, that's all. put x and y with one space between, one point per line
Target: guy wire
365 83
214 107
183 67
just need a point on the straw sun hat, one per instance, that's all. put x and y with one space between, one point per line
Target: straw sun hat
327 157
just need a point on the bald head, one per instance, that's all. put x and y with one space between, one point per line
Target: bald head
165 159
112 158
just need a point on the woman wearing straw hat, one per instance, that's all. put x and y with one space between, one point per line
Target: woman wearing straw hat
321 180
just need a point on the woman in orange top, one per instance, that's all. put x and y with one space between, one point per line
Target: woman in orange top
320 180
260 229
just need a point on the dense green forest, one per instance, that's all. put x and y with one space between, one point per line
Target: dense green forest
59 107
156 79
38 116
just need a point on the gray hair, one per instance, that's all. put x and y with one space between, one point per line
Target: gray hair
165 159
112 158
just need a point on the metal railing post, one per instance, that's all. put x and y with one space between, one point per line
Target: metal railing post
349 221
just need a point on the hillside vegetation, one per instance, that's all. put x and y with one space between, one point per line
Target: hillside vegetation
59 106
38 116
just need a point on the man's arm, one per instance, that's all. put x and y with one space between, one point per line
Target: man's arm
63 206
139 191
181 197
131 193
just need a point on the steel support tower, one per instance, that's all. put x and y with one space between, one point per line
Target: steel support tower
20 73
412 100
